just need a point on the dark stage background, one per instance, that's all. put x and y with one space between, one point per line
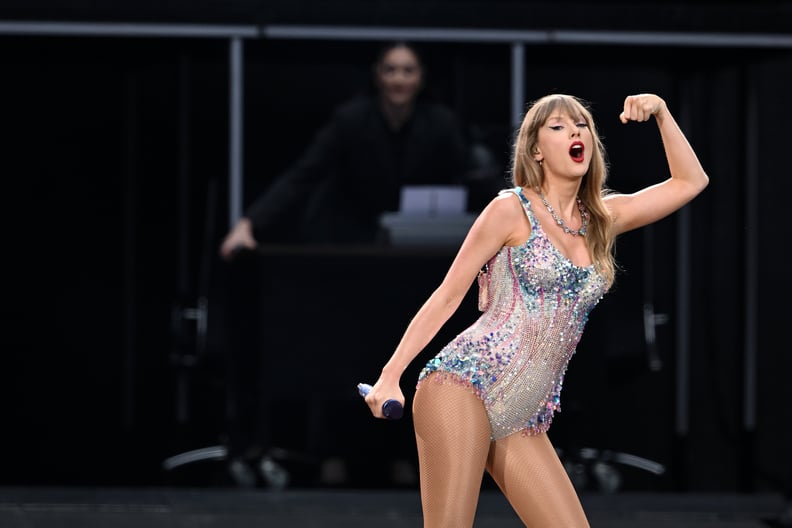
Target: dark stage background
115 171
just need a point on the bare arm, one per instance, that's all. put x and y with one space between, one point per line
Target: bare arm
497 225
687 180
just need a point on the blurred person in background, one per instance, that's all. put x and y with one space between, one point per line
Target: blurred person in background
354 169
390 136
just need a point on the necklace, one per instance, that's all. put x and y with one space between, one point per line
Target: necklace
584 216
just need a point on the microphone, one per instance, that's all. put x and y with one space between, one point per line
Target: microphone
391 409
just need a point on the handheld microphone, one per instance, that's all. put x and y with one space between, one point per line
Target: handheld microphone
391 409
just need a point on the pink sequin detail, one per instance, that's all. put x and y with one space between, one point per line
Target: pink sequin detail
515 355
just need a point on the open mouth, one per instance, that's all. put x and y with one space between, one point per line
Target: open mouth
576 151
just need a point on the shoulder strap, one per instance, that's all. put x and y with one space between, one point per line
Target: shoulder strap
526 203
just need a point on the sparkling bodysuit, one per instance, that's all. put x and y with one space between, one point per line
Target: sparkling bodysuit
515 355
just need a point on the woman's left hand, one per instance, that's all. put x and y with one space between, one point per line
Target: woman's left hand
641 107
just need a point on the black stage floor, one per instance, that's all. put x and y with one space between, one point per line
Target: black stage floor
39 507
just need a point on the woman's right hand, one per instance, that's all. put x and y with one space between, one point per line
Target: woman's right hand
241 236
381 392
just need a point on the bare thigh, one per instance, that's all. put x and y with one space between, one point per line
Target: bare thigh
453 438
528 471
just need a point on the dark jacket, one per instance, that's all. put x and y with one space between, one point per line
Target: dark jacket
354 169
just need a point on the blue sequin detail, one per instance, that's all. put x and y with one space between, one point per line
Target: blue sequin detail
515 355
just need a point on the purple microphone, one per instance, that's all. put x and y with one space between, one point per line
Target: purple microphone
391 409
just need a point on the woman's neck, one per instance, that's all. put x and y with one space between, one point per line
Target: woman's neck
396 115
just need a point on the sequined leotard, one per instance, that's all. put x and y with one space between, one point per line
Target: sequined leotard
515 355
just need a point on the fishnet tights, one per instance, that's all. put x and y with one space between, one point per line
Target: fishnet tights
454 448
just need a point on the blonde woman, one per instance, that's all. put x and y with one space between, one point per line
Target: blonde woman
486 400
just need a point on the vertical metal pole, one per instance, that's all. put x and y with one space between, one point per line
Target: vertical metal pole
235 130
517 83
180 354
683 324
650 318
751 269
185 190
130 249
746 456
683 298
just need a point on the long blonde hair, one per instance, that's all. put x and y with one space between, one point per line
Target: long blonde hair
526 172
